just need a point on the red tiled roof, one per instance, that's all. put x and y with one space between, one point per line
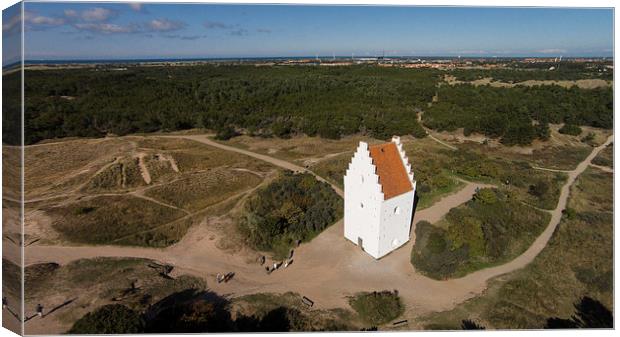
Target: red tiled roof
390 169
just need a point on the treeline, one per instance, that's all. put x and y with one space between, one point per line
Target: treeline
508 113
293 207
279 101
519 72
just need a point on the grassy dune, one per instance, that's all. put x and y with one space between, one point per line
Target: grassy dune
577 262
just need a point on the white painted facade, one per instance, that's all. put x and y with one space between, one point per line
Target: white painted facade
379 225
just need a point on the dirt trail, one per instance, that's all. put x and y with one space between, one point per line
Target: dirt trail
603 168
551 169
429 132
328 268
146 175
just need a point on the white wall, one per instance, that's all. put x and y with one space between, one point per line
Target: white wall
366 214
394 228
362 201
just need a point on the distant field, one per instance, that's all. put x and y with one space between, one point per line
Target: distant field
525 298
581 83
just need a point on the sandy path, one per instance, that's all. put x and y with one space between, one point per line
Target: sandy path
551 169
146 175
329 268
603 168
429 132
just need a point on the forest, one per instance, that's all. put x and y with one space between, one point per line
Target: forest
518 115
268 101
282 101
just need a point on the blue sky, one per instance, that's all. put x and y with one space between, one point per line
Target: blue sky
117 30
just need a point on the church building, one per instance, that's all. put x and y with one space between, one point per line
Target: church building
379 191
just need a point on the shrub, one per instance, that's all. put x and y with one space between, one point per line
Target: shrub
588 138
293 207
226 133
490 229
109 319
570 129
539 189
486 196
377 307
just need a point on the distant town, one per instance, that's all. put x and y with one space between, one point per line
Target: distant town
602 64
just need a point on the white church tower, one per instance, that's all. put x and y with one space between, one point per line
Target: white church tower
378 198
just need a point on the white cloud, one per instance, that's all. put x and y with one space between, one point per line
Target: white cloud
263 30
106 28
551 51
97 14
217 25
70 13
44 20
13 23
239 32
136 6
164 25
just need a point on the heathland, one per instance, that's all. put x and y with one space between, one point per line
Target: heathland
125 203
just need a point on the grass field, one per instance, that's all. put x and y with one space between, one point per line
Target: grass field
562 156
61 167
605 157
93 197
202 189
123 174
333 169
303 150
577 262
11 172
192 156
102 220
11 279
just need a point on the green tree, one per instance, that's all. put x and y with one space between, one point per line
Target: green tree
570 129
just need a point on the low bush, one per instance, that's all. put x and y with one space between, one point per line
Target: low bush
570 129
487 230
293 207
377 307
109 319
